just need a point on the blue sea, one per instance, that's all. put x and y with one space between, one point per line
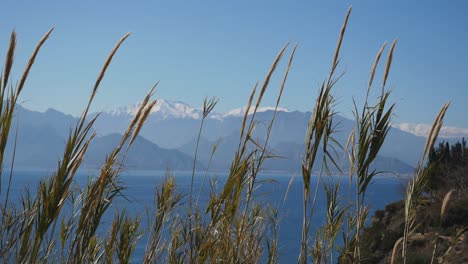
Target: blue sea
141 185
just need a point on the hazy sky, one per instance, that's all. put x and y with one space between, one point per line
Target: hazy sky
221 48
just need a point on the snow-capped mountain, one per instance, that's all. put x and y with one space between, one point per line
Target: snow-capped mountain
164 109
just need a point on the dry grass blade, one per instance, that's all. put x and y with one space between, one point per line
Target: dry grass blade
268 77
389 62
9 59
31 61
247 109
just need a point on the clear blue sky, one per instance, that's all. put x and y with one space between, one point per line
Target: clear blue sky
221 48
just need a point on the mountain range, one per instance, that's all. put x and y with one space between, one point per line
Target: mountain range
168 139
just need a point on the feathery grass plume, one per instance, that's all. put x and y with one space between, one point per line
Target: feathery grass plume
374 67
268 77
389 62
9 60
417 183
340 39
445 205
106 65
101 76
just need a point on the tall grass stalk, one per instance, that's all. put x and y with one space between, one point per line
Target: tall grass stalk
208 106
416 185
319 133
372 127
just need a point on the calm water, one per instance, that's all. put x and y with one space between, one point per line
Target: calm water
141 190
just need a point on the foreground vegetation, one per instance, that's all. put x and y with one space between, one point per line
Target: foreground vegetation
234 227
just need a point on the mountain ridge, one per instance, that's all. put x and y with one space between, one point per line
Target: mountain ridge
174 125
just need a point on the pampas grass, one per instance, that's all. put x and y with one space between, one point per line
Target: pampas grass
445 205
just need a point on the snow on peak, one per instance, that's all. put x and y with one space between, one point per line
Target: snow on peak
175 109
163 109
241 111
424 129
